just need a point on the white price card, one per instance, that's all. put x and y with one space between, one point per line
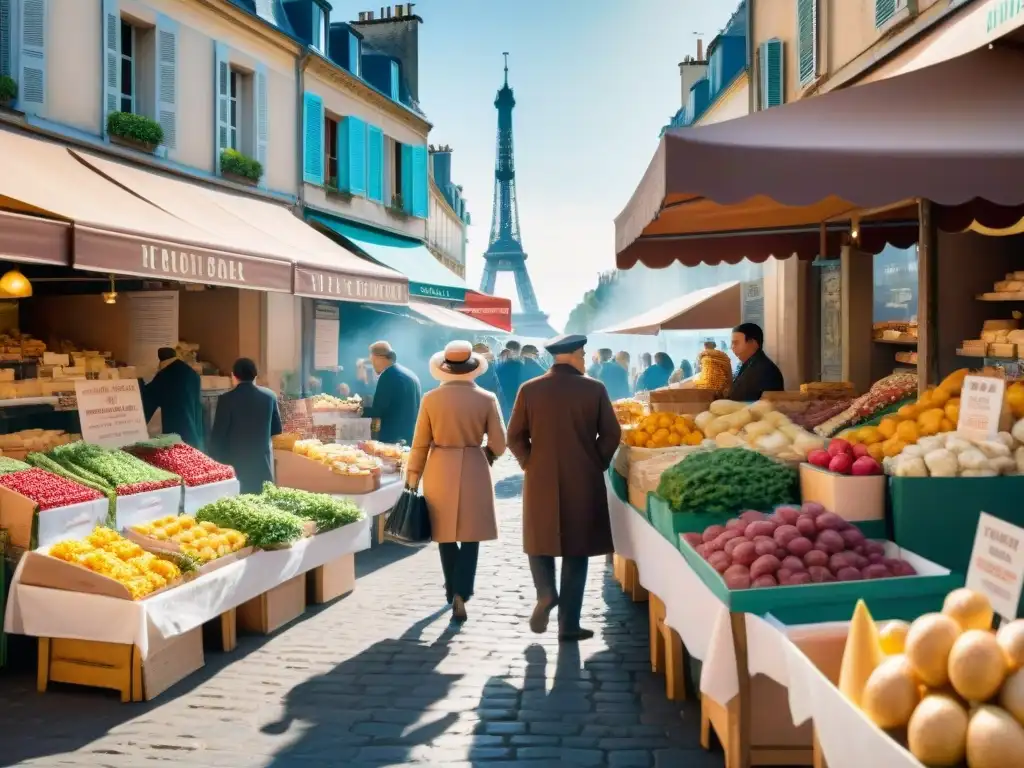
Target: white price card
996 569
111 412
981 403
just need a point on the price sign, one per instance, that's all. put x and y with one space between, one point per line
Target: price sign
111 412
981 403
997 564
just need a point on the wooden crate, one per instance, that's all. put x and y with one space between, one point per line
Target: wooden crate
331 580
274 608
172 663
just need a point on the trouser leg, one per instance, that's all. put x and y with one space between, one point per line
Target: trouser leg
542 568
574 583
449 552
465 569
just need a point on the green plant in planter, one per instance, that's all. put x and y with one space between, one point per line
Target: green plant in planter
138 128
397 204
233 161
8 89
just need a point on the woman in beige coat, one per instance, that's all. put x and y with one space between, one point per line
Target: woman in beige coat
449 454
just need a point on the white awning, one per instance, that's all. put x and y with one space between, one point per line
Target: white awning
708 308
449 318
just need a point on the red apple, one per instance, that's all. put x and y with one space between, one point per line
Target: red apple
860 450
819 458
841 463
837 446
866 465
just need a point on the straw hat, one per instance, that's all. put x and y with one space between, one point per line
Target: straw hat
458 362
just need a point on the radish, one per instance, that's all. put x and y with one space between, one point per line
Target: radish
819 458
837 446
841 463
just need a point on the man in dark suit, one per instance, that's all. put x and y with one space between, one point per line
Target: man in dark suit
247 418
396 401
488 379
177 392
757 373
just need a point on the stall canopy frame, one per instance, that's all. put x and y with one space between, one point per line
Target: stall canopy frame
718 306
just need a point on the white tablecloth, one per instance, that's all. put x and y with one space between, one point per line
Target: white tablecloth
41 612
380 501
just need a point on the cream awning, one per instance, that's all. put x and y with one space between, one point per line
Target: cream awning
450 318
714 307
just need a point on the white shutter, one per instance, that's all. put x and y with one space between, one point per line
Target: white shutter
262 117
167 79
222 92
32 59
111 59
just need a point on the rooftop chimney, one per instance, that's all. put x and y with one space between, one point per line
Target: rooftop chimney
362 15
691 70
700 49
399 11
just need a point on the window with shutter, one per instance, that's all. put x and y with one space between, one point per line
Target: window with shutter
375 163
420 183
885 10
167 79
352 156
112 60
406 175
32 56
395 72
772 75
807 39
312 139
222 96
354 55
261 115
6 36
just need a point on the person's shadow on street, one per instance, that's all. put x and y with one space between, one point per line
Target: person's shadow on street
372 705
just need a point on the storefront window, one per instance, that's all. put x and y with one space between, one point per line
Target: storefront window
127 67
895 285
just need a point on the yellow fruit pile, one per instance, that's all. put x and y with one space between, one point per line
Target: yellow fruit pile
663 430
629 412
954 684
203 541
106 552
715 370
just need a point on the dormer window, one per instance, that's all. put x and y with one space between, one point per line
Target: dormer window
319 29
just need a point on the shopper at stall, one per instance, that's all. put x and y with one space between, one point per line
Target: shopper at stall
177 392
510 376
757 374
396 401
645 363
531 365
564 433
247 418
451 457
657 375
488 379
614 376
594 371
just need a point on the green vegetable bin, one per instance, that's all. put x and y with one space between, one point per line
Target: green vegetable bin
904 597
670 523
620 485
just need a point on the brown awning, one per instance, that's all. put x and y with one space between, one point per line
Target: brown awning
949 133
717 306
34 240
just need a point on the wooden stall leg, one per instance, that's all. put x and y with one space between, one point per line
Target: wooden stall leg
740 735
629 575
381 522
618 566
817 756
137 689
637 593
675 665
656 615
229 630
43 666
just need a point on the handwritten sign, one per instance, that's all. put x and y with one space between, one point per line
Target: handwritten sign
111 412
996 569
981 403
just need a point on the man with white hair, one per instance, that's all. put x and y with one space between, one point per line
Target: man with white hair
396 401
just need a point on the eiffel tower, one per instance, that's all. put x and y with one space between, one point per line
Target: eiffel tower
505 250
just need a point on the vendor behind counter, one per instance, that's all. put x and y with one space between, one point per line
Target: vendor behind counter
757 373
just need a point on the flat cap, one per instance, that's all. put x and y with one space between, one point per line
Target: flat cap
565 344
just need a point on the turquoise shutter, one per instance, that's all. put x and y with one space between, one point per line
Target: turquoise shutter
353 54
395 92
420 183
167 79
222 106
262 119
375 163
313 139
111 60
6 35
772 81
884 10
352 156
807 39
32 58
408 180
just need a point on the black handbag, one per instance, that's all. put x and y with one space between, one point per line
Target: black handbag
409 521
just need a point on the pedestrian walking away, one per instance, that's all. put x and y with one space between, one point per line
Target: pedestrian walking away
564 433
510 376
396 400
450 456
177 392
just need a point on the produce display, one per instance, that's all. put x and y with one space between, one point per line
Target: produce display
727 480
794 545
883 394
954 685
714 369
663 430
953 455
106 469
106 552
285 441
8 465
264 525
758 426
352 404
193 466
203 541
28 440
47 490
829 390
342 459
326 511
845 459
894 330
629 411
815 412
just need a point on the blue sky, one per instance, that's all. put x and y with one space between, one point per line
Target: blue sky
594 82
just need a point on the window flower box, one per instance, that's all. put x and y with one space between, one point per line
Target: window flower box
239 168
332 189
397 207
134 131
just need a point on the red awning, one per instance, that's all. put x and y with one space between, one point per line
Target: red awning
493 310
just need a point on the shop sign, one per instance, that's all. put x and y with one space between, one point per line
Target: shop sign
330 285
111 412
981 404
1000 13
443 292
996 569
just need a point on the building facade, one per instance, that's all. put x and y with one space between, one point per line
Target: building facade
448 223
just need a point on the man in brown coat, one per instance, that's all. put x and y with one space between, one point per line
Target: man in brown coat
563 432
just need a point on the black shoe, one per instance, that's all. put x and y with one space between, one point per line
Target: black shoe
575 635
459 614
541 613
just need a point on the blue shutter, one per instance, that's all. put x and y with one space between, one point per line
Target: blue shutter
313 139
772 79
32 57
352 156
221 98
261 115
6 37
111 60
408 180
420 182
353 54
375 163
807 39
884 10
167 79
395 81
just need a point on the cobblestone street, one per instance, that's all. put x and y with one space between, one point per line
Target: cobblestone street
381 678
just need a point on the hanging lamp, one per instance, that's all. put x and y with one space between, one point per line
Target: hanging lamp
110 297
15 285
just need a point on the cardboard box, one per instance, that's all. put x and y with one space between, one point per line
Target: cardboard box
40 570
331 580
28 528
274 608
853 497
294 471
170 664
